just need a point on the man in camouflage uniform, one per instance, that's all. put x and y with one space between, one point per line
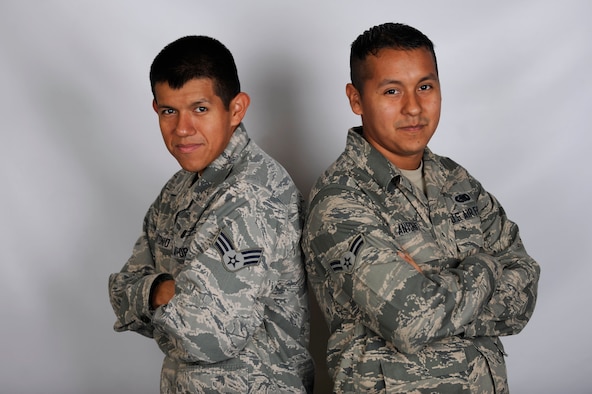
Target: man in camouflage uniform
217 277
415 266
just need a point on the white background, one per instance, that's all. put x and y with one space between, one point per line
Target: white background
81 156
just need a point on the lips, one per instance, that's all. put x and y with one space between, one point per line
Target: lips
187 148
412 128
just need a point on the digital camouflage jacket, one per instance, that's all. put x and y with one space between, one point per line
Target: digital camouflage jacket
238 322
392 328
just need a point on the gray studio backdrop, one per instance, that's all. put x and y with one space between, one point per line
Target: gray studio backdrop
81 157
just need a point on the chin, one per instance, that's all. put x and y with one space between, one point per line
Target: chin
190 168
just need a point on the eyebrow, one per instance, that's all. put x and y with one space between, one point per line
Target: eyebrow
193 104
200 101
429 77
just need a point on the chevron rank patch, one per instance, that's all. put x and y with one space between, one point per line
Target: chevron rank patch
347 260
234 259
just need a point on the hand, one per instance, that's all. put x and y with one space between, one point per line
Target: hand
163 293
409 259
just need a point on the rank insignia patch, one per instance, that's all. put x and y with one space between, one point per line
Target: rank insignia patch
347 260
234 259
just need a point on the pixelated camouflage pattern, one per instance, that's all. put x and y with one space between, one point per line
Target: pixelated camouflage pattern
392 328
239 320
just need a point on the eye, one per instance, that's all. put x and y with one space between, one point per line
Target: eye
391 91
200 109
425 87
167 111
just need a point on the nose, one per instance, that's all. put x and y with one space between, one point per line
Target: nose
412 105
184 126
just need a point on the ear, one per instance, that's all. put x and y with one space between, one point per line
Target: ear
154 105
355 99
238 107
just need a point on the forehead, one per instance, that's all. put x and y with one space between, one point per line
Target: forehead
202 87
401 65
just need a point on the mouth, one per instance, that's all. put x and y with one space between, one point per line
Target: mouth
412 128
187 148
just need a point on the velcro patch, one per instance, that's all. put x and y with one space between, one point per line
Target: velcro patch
233 259
347 260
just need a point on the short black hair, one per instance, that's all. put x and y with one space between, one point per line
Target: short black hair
388 35
193 57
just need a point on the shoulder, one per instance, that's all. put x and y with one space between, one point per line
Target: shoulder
179 180
256 172
342 197
454 171
347 182
443 161
341 173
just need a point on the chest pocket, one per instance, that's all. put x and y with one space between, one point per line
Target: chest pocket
171 252
416 239
466 222
173 238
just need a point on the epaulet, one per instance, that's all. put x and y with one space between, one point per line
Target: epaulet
448 163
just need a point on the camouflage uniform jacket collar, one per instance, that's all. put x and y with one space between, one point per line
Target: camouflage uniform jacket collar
218 170
370 161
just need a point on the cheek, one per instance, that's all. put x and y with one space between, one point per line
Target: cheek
384 113
434 105
167 137
214 138
435 113
165 127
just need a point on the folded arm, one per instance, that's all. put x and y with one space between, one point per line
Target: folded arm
514 298
382 289
217 305
130 289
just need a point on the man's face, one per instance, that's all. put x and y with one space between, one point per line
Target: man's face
195 124
400 104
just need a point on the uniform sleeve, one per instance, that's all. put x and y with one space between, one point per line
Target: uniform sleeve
514 299
381 289
129 289
218 295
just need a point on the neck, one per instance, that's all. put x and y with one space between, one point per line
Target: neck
408 163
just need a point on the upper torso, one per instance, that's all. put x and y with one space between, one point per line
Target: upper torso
373 212
230 239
